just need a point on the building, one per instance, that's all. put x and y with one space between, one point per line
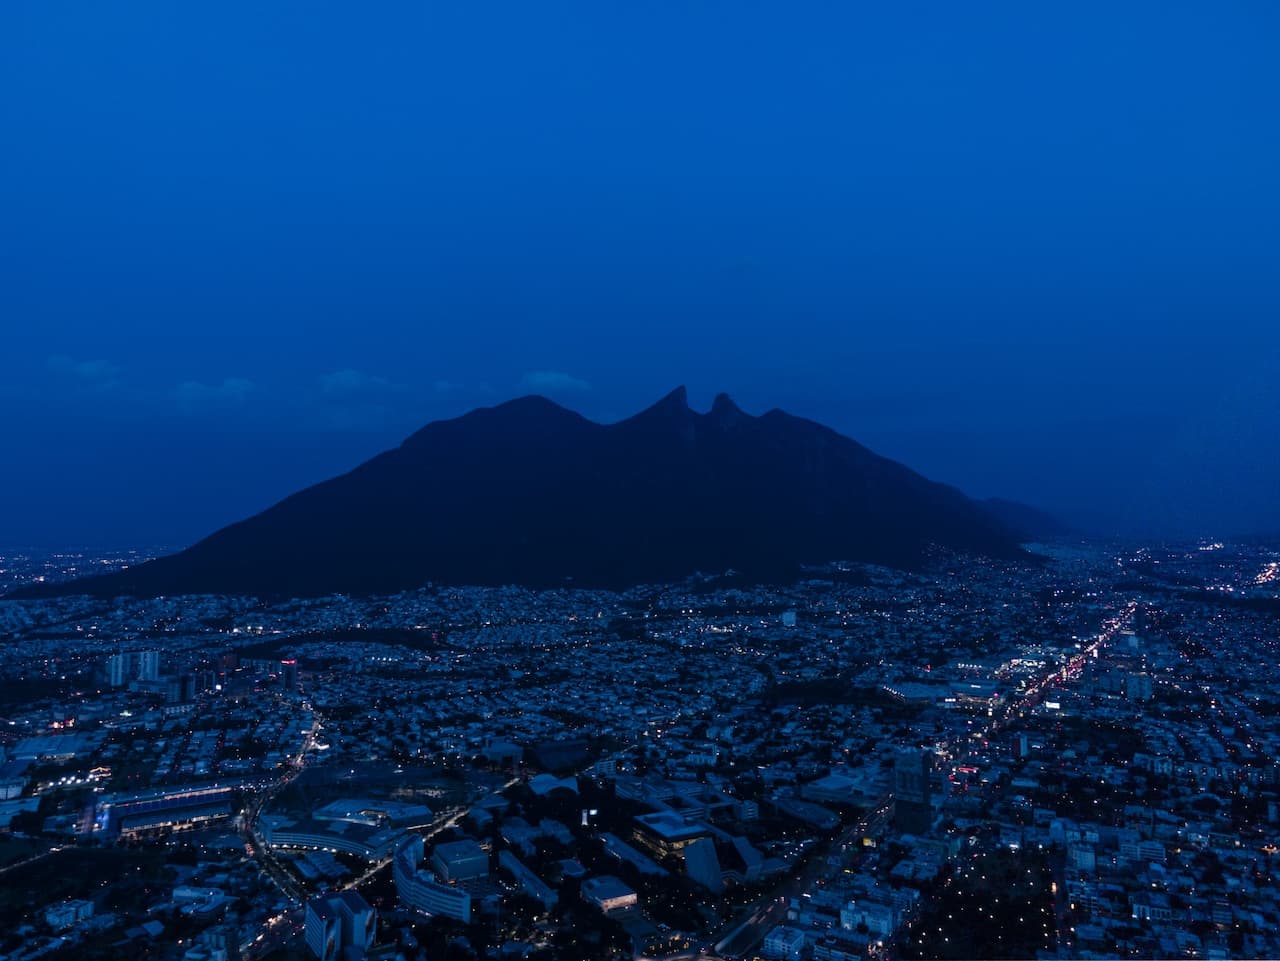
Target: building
1081 857
460 861
359 921
133 666
878 919
349 837
812 814
52 747
606 767
120 669
667 833
1139 687
338 923
608 893
212 944
163 810
623 851
289 674
180 689
420 890
149 666
784 943
702 865
64 914
529 882
375 812
324 929
913 811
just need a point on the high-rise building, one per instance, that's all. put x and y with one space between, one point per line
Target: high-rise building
120 669
913 810
149 666
338 923
324 929
180 688
289 674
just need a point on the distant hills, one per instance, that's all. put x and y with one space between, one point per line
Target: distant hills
530 493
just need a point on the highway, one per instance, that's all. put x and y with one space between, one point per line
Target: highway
280 927
745 935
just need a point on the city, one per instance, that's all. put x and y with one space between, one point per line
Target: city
1073 759
578 481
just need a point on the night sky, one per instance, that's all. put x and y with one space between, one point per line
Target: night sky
1031 250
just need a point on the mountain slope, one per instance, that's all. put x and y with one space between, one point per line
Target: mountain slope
530 493
1029 523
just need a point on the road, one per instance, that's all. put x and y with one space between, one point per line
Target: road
31 860
773 910
770 912
280 927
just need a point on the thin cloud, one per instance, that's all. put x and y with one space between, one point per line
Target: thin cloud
98 373
552 380
350 381
194 396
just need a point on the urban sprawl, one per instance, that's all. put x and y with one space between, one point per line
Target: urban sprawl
1070 759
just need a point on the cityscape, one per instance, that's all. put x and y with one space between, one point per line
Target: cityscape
1075 758
579 481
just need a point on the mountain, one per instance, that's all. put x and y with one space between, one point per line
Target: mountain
1029 523
531 493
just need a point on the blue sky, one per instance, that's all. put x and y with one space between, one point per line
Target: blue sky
1030 250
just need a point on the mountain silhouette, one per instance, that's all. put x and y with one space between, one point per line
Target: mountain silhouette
530 493
1030 523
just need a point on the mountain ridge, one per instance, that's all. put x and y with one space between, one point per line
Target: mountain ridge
530 492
